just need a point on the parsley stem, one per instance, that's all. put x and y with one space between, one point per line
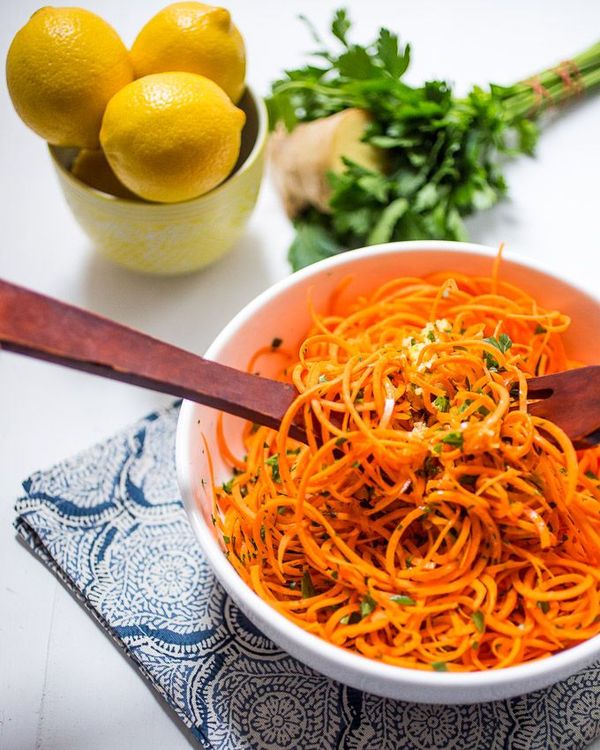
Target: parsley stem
584 71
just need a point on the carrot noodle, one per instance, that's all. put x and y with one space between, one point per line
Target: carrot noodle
430 522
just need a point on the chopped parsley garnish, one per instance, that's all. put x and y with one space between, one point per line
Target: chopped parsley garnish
340 441
539 329
439 666
273 462
262 533
491 362
367 605
503 343
454 438
431 336
544 606
479 621
306 586
226 539
227 486
404 601
442 403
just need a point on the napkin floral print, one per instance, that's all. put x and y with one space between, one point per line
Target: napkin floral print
109 523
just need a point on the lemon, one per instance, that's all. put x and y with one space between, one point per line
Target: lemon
195 38
92 167
171 136
62 68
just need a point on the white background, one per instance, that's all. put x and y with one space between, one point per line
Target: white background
63 685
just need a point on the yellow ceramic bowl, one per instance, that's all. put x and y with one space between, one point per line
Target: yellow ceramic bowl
171 238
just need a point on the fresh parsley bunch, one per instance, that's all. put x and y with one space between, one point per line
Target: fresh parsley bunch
443 153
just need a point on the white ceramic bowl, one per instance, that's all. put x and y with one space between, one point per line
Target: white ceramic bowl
281 311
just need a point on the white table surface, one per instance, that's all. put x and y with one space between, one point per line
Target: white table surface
63 685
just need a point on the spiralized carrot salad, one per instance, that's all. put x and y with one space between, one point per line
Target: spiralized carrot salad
430 522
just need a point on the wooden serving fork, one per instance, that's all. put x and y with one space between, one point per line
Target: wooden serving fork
570 399
42 327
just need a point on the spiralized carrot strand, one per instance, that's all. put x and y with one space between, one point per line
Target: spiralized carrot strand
430 522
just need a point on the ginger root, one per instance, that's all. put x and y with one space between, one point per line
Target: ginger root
301 159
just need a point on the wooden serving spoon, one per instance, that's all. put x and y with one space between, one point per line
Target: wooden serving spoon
42 327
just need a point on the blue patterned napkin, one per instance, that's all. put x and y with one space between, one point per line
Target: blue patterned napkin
110 524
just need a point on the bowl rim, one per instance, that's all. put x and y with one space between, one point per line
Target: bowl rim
257 148
322 652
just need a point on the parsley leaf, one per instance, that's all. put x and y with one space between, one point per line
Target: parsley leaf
312 243
384 227
479 621
442 403
367 605
504 342
405 601
454 438
394 59
340 25
306 587
273 462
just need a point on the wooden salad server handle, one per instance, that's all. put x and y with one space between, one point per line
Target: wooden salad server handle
44 328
